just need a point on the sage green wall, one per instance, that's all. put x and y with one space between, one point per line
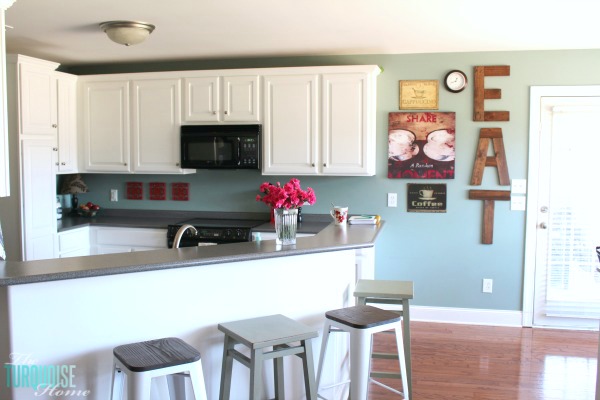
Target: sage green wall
441 253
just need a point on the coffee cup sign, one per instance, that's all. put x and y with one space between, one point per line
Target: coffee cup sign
339 214
426 194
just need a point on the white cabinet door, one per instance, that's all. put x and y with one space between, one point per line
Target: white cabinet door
37 89
74 243
39 198
156 125
202 99
221 99
240 99
105 240
347 134
105 125
67 122
290 125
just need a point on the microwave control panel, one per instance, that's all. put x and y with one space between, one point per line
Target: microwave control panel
249 152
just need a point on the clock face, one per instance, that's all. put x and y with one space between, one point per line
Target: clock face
455 81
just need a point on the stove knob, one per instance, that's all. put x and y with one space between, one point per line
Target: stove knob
228 233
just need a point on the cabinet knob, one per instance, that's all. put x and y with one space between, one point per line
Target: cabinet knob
125 164
226 112
56 164
54 126
324 164
55 149
214 113
63 163
177 164
313 164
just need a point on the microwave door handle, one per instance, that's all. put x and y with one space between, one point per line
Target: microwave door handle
239 155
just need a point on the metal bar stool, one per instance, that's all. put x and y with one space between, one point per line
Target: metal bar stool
259 335
361 322
368 291
140 362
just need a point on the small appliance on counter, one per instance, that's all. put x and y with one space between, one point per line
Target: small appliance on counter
213 231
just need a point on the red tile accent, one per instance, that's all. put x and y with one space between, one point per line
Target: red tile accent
158 191
180 191
135 190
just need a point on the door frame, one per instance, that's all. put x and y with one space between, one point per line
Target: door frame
535 97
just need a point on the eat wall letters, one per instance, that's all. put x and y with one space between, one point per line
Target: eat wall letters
487 135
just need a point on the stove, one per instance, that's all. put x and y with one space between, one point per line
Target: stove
213 231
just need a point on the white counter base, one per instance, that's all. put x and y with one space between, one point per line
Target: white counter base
79 321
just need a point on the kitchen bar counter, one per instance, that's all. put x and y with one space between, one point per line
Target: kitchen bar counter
332 238
70 313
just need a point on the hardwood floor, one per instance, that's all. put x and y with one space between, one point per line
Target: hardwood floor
459 362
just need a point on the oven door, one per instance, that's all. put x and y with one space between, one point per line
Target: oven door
210 151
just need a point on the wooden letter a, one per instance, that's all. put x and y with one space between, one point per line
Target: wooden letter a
498 160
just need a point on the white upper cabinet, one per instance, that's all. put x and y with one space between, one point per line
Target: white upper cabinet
348 125
37 97
156 124
105 123
67 122
221 99
321 123
290 126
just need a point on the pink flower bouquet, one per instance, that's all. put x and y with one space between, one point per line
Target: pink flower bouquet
287 196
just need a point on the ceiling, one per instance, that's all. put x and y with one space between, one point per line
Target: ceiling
67 31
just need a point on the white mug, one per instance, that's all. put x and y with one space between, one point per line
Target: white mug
340 215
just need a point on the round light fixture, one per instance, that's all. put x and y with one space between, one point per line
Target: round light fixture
127 33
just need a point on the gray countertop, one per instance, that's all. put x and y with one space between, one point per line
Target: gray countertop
331 238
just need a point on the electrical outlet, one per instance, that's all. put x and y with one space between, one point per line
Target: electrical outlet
392 200
114 195
488 285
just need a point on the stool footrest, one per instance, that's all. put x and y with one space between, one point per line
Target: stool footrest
385 356
391 375
240 357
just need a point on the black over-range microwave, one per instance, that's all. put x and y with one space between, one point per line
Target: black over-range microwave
221 146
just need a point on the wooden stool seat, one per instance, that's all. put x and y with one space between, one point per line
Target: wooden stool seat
142 361
259 335
361 322
373 291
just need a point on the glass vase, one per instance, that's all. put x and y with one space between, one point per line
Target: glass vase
285 225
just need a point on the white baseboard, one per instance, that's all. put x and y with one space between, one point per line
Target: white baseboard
469 316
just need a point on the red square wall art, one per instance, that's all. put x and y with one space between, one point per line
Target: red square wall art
135 190
158 191
180 191
421 145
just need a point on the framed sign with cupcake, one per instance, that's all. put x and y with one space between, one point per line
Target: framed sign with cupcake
421 145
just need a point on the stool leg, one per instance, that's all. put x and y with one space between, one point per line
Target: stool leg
360 361
402 363
197 379
309 370
256 363
226 368
176 384
324 341
278 372
118 378
406 340
361 301
138 386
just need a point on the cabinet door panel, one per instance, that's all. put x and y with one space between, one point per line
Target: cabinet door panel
240 98
67 123
106 126
39 198
156 125
38 101
201 99
290 125
345 137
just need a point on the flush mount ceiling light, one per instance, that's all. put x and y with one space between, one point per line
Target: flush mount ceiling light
127 32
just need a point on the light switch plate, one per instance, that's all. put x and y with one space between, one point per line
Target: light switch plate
518 203
519 186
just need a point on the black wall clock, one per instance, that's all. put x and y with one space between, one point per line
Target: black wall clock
455 81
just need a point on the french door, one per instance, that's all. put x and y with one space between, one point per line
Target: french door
562 286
